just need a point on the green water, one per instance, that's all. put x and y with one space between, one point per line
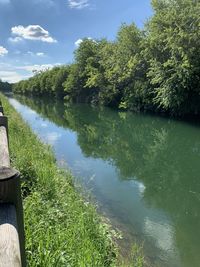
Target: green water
144 172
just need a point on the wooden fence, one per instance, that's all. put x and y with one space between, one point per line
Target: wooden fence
12 244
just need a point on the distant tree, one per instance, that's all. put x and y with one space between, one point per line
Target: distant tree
5 86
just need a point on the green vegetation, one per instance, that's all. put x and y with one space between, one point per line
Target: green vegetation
162 154
5 86
61 229
154 69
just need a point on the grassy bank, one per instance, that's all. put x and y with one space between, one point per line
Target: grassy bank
61 230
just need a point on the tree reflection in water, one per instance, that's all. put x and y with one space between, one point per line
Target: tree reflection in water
160 153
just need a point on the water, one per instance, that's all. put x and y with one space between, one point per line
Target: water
144 171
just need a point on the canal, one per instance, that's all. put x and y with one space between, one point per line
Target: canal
143 171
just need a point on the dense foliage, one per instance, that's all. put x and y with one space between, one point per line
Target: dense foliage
154 69
5 86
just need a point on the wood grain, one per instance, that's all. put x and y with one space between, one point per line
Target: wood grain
4 153
12 244
9 239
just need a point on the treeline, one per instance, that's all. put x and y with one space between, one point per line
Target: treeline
155 69
5 86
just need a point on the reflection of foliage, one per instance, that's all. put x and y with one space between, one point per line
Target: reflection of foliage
163 154
125 138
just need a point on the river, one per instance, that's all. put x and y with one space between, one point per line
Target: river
142 170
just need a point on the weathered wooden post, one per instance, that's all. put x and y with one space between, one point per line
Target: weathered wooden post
12 245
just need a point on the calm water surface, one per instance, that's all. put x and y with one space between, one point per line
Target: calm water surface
144 171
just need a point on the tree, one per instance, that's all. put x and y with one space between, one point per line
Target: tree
5 86
155 69
173 54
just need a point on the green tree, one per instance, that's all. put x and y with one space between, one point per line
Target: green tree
5 86
154 69
131 67
173 53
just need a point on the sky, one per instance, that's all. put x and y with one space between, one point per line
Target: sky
39 34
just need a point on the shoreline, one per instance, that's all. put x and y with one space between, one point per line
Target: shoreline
54 211
107 250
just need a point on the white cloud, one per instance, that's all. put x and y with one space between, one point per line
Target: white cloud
79 41
33 68
31 32
78 4
44 125
163 235
31 112
11 73
3 51
52 137
141 188
11 76
40 54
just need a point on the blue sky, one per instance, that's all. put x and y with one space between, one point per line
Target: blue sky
36 34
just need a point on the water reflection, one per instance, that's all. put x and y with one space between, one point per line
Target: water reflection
144 169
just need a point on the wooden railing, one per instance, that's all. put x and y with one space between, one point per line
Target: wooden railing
12 245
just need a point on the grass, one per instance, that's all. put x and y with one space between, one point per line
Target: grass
136 258
61 228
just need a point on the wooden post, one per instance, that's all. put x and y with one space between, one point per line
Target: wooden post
4 153
9 243
12 244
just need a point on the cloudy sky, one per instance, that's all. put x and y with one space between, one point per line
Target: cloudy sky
36 34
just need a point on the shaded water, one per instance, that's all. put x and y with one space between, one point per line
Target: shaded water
143 171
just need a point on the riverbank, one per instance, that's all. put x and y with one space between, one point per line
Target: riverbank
61 229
